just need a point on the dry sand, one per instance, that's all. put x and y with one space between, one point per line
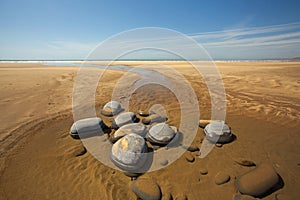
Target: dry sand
38 156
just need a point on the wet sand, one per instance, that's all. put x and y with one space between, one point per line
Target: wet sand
38 157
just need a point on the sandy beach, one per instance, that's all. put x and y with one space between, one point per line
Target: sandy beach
38 157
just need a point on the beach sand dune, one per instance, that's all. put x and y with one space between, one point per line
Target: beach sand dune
38 157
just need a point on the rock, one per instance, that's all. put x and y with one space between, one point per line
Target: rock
80 152
123 119
189 157
136 128
243 197
221 178
218 132
146 189
204 122
191 148
203 171
161 134
155 118
129 153
111 108
143 113
88 127
244 162
219 145
164 162
258 181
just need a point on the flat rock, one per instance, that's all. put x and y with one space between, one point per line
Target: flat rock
189 157
146 189
258 181
87 128
244 162
221 178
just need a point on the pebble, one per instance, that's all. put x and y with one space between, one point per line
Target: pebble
146 188
221 178
244 162
203 171
80 151
267 176
164 162
191 148
143 113
189 157
219 145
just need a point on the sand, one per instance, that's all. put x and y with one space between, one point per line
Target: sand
38 157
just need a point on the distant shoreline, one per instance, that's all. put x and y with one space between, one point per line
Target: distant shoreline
134 60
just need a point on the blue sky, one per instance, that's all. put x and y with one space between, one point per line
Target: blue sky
70 29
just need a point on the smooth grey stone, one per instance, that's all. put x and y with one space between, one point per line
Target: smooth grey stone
111 108
218 132
129 152
87 128
161 133
136 128
124 118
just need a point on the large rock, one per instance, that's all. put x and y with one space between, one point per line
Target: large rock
259 181
87 128
129 153
146 189
161 133
123 118
136 128
218 132
111 108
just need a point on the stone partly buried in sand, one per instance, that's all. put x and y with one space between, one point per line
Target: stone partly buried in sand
111 108
136 128
87 128
221 178
161 134
129 153
123 118
154 118
258 181
218 132
146 189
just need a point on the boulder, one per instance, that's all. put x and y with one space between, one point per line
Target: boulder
258 181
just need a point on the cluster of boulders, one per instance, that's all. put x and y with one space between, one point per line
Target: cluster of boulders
129 149
131 141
